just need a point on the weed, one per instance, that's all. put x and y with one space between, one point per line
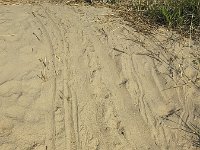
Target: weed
190 128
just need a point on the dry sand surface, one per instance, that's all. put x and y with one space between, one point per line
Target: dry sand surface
71 79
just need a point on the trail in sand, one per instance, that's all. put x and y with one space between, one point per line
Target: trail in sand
70 79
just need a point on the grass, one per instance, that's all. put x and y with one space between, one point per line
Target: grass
181 15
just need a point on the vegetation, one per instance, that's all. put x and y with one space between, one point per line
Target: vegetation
183 15
179 15
192 129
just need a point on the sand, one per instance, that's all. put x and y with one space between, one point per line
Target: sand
72 79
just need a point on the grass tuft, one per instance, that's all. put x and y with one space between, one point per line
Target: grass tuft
182 15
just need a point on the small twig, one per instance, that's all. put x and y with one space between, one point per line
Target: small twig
33 14
115 49
36 36
149 55
174 87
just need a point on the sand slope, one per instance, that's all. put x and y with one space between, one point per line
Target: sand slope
71 80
